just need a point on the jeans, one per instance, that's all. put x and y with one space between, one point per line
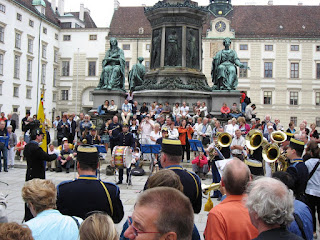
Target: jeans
4 151
243 107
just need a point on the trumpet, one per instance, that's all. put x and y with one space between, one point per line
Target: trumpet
224 140
278 137
208 188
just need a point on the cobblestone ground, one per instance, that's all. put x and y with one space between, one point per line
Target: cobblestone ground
15 180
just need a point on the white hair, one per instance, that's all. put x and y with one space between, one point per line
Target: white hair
271 200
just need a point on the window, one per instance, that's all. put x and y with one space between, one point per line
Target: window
77 26
56 36
318 71
92 68
141 30
243 73
92 37
147 65
2 8
30 45
294 47
293 98
317 121
19 17
31 23
55 56
90 96
18 40
294 70
318 48
16 91
294 120
1 34
65 68
1 63
318 98
126 46
66 37
43 74
29 70
15 109
243 46
28 93
44 51
268 47
148 47
267 97
54 82
45 30
0 88
16 66
54 97
64 95
66 25
268 69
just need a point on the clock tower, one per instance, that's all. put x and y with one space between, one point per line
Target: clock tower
220 8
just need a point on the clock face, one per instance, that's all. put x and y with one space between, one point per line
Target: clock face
220 26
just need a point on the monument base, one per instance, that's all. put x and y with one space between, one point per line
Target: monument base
99 96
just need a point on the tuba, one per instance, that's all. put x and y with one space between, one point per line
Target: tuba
254 139
224 140
278 137
283 162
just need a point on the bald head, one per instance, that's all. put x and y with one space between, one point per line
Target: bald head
236 176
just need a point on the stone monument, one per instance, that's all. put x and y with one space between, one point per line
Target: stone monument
136 75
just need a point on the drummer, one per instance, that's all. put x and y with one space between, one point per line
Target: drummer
125 138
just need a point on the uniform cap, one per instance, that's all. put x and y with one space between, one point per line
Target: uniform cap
87 154
296 144
172 147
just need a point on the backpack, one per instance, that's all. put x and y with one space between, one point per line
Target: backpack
247 100
137 172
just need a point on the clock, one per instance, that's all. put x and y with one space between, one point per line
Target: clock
220 26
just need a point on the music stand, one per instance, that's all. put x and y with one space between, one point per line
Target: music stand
150 148
196 145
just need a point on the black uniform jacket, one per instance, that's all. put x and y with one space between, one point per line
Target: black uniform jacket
86 194
35 160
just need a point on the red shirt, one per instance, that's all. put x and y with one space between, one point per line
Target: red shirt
243 96
230 220
200 162
225 109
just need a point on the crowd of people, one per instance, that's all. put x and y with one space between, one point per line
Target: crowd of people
281 205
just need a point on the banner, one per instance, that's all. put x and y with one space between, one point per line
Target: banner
42 119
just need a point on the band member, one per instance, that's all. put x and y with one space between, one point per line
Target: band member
125 138
85 194
114 129
93 137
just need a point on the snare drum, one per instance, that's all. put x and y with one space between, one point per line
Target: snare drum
121 156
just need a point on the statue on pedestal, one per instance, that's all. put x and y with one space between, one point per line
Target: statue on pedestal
113 68
136 74
172 48
224 68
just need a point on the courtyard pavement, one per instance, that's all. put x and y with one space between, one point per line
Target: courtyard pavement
15 179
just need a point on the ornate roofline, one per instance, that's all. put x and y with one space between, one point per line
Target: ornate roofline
162 4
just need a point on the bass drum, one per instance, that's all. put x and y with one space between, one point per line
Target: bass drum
121 157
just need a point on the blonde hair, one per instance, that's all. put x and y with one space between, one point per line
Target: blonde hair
13 231
98 226
41 193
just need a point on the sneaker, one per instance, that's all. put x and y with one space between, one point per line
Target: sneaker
119 182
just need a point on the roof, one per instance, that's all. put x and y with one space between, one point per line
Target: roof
49 14
263 21
126 22
88 21
38 2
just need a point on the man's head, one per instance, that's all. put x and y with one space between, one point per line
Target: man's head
70 118
253 106
205 121
115 119
184 104
112 102
2 124
161 213
9 116
125 128
270 203
171 152
66 146
88 159
169 121
126 101
238 133
267 118
3 114
51 147
58 118
295 148
235 178
37 135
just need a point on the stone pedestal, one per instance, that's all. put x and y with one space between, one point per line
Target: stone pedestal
99 96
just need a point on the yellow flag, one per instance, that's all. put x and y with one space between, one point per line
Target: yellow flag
41 119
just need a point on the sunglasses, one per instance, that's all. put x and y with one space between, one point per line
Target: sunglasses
136 232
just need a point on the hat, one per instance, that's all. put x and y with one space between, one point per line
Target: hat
164 129
37 131
125 125
289 136
64 139
87 154
296 145
172 147
270 126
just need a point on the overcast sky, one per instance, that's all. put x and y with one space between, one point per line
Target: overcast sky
102 10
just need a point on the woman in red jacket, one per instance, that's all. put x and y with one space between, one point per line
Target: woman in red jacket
225 110
185 130
200 165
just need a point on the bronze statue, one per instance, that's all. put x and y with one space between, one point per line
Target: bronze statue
224 68
192 49
156 49
113 68
136 74
172 58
